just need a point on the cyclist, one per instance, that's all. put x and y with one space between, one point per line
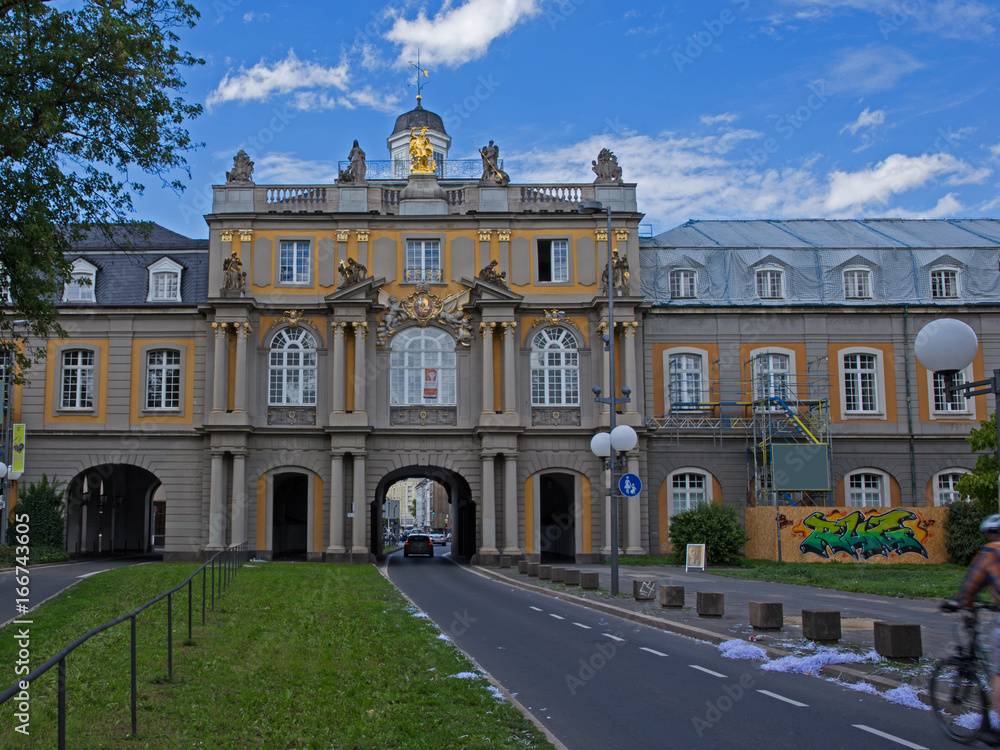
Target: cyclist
985 572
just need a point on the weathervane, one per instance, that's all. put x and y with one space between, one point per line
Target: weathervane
420 84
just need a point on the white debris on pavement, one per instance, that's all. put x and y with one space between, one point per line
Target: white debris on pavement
813 663
905 695
737 649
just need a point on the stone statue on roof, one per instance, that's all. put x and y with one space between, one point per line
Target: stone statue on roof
421 152
492 166
606 168
242 172
357 169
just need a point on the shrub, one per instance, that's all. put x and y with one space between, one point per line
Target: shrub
964 538
43 504
718 527
37 556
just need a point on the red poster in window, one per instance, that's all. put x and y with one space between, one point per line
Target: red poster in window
430 383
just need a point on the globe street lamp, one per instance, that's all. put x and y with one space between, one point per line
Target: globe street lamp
611 449
946 346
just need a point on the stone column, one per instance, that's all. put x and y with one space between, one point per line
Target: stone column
337 367
633 542
360 366
509 369
486 330
220 397
628 345
510 505
239 506
360 520
242 338
217 503
489 507
336 505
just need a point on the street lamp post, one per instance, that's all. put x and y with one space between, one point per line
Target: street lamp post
947 346
611 448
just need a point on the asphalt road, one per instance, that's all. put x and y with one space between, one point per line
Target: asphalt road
48 580
598 681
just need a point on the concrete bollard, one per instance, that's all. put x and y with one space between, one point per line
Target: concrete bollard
767 615
572 576
710 604
545 571
643 591
558 575
522 566
504 561
896 640
590 580
821 625
671 596
533 569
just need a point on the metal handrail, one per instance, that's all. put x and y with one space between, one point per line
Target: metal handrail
228 567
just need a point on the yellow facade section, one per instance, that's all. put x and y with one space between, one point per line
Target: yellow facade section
53 391
138 386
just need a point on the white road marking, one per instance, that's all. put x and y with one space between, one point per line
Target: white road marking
783 698
537 609
581 625
891 737
652 651
706 671
88 575
613 637
558 617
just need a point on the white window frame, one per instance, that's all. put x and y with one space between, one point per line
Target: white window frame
423 261
681 351
164 266
706 490
791 396
864 475
965 406
558 259
687 279
407 365
879 411
768 270
851 291
77 291
292 367
299 253
164 380
943 496
944 285
555 368
81 390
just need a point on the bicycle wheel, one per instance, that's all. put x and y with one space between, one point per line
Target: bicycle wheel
960 697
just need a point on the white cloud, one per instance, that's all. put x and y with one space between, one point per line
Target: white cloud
954 19
457 35
726 117
995 151
866 119
251 16
870 69
288 169
263 80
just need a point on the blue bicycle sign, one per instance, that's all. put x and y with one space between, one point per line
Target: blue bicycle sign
629 485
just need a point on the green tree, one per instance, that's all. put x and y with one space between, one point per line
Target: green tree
88 101
981 484
716 526
42 503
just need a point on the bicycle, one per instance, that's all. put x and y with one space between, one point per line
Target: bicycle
960 685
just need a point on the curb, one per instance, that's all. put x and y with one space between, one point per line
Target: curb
836 671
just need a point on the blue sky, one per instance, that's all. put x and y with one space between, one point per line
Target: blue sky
719 109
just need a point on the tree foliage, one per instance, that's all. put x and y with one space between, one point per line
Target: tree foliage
42 503
963 537
716 526
981 484
88 100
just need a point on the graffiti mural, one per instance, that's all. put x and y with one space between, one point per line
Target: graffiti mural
862 534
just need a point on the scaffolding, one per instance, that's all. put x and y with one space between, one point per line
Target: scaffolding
773 408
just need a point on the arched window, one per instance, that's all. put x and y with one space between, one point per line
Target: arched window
688 488
867 488
555 368
946 486
422 368
292 371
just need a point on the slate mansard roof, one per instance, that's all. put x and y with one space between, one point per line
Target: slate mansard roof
123 261
814 254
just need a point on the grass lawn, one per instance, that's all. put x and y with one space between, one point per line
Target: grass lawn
294 656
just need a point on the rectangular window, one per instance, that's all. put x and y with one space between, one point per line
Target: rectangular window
860 383
80 289
423 261
945 401
682 285
688 491
165 285
865 491
769 284
944 284
553 260
295 262
163 380
770 383
857 284
947 489
78 380
685 382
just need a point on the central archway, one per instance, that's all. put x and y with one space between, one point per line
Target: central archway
463 508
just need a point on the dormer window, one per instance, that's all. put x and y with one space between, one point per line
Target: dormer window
683 284
770 283
944 283
857 283
164 281
81 287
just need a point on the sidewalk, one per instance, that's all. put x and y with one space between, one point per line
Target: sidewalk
939 631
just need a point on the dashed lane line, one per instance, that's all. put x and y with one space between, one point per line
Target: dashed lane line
783 698
613 637
537 609
652 651
707 671
558 617
581 625
890 737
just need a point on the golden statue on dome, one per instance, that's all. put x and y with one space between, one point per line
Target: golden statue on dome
421 152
